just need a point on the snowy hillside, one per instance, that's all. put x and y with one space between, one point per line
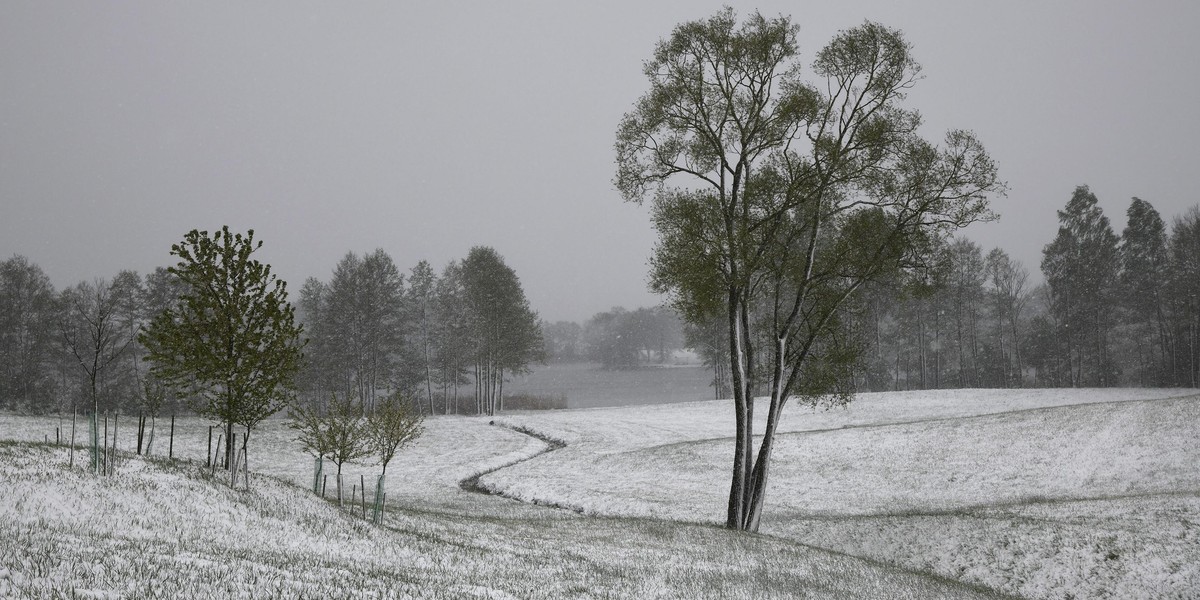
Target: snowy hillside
1034 493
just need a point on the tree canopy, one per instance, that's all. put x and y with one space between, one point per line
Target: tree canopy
231 342
776 199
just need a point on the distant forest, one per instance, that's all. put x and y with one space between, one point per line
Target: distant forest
1113 310
446 341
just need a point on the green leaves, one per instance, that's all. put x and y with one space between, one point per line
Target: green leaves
774 198
231 341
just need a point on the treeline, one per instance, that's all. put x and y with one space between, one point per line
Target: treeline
1114 310
617 339
371 332
78 347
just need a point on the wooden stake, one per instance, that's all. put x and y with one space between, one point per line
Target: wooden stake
106 443
213 467
318 465
363 482
74 412
94 441
171 449
208 458
246 467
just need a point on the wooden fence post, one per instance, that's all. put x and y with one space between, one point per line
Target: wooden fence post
74 413
246 467
318 465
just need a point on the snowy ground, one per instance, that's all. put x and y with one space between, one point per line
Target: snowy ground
164 530
1040 493
1036 493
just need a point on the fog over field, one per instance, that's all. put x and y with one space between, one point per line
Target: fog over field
657 299
425 130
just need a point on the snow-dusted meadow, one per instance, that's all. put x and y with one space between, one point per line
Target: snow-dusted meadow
1036 493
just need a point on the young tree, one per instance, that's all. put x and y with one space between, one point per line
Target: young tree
775 200
394 425
91 334
311 424
231 341
347 436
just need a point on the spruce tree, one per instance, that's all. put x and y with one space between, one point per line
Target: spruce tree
1143 277
1081 267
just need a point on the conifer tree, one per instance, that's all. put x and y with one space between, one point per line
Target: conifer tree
1081 267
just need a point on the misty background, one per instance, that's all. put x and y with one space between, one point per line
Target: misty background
426 130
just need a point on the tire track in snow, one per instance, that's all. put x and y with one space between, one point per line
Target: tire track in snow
924 420
471 484
978 510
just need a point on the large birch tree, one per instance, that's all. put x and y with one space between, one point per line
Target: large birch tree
776 199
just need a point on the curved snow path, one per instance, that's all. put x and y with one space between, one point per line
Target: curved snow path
471 484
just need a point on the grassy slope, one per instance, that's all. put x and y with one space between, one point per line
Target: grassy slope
981 486
157 530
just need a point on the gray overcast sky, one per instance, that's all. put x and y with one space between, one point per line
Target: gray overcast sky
427 129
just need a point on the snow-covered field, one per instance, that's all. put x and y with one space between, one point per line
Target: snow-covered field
1035 493
1039 493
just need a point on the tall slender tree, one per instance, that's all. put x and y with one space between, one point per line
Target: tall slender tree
1008 278
92 334
1144 264
504 328
422 282
1184 294
1081 267
28 315
452 346
776 200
